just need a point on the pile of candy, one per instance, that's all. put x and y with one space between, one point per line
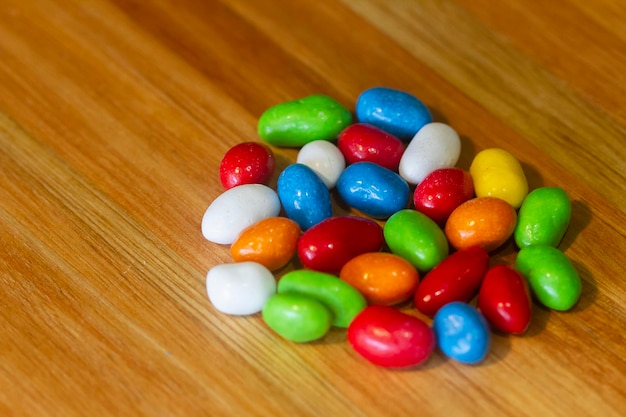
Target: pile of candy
355 272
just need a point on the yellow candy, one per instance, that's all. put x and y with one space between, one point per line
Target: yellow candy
496 173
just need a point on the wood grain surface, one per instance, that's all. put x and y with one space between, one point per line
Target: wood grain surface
114 116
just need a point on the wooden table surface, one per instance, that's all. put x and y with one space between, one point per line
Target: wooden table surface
114 116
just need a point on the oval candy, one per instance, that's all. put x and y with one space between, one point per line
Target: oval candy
462 333
362 142
543 217
296 123
272 242
304 196
236 209
328 245
457 278
383 278
497 173
373 190
247 163
435 146
240 288
393 111
442 191
344 301
552 278
297 317
387 337
325 159
416 238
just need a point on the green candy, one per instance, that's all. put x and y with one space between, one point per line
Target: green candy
551 276
343 300
297 317
543 217
296 123
415 237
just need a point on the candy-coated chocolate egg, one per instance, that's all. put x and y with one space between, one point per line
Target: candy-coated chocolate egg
247 163
272 242
456 278
297 317
383 278
504 299
441 192
328 245
325 159
362 142
462 333
387 337
497 173
543 217
482 221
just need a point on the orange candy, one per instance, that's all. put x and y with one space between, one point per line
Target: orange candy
483 221
271 242
383 278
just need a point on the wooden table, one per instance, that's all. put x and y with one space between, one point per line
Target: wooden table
114 116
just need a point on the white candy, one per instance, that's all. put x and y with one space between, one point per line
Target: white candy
240 288
325 159
237 208
434 146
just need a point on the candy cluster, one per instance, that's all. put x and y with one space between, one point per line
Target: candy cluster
421 233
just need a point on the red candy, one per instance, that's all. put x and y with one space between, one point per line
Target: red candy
247 163
390 338
456 278
328 245
362 142
504 299
442 191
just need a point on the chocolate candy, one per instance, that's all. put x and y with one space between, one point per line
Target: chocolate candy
247 163
462 333
393 111
496 173
543 217
305 198
416 238
387 337
296 123
442 191
552 278
325 159
435 146
297 317
362 142
328 245
372 189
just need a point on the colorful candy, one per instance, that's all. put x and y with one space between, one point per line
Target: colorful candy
236 209
552 278
341 298
435 146
372 189
383 278
240 288
296 123
247 163
504 300
325 159
442 191
328 245
487 222
362 142
304 196
272 242
543 217
393 111
390 338
496 173
456 278
416 238
462 333
297 317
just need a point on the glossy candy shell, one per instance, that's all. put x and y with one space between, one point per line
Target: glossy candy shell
297 317
361 142
441 192
247 163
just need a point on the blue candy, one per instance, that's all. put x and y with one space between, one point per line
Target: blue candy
462 333
394 111
304 196
373 189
